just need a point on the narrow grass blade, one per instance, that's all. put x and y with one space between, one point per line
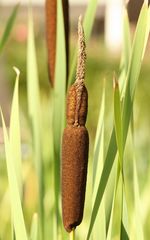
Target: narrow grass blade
109 231
87 25
140 40
118 132
34 112
60 76
109 194
145 200
17 213
98 156
59 102
119 139
138 229
127 44
34 227
118 121
126 51
138 50
124 234
15 138
122 220
112 149
32 72
8 28
99 230
89 18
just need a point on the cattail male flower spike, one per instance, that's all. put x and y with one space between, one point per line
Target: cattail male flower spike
75 145
51 30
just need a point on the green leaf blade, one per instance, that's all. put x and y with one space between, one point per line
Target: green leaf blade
142 29
34 227
99 230
34 109
16 208
15 136
8 27
117 120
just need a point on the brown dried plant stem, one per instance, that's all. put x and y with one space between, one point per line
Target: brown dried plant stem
51 29
75 145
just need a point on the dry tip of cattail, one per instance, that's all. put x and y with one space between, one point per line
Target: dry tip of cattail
51 29
75 145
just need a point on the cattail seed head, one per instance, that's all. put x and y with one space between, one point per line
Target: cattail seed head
65 4
51 23
74 172
75 145
51 30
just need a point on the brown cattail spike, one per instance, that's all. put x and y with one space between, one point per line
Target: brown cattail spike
74 172
51 26
65 4
51 23
75 145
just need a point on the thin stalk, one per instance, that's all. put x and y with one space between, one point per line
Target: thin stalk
121 200
72 235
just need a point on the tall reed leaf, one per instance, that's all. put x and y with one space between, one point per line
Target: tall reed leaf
138 224
119 140
126 51
34 227
126 40
110 226
34 111
87 25
117 121
59 100
99 141
138 50
15 138
124 221
8 28
60 76
16 208
99 230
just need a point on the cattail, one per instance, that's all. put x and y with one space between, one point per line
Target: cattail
65 4
75 145
51 26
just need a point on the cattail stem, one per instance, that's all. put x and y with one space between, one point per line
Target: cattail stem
72 234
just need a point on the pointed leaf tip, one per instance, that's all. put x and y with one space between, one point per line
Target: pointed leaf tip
17 71
146 2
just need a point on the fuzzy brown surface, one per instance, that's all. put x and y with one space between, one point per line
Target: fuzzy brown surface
74 173
51 18
72 105
65 4
51 30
